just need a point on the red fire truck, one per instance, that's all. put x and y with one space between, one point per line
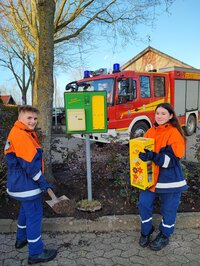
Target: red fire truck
132 98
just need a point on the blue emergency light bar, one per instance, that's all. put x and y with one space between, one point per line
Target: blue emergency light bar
116 68
86 74
101 71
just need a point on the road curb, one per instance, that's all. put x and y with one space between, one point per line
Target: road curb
102 224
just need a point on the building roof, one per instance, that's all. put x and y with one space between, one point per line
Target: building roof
7 99
151 49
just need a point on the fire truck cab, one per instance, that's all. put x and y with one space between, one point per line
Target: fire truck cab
133 96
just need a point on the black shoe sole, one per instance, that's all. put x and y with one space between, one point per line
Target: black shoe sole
149 240
41 260
21 245
158 248
145 245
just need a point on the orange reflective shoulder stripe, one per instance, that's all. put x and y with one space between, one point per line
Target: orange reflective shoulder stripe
23 144
177 143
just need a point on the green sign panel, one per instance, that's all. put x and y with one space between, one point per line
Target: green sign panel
86 112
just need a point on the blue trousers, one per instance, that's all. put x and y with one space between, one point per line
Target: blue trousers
30 225
169 206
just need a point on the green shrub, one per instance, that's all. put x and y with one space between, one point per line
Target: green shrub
117 168
197 149
8 115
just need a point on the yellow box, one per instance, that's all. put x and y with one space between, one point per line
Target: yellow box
141 173
98 114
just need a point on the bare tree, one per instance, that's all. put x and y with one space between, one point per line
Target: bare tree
70 22
19 61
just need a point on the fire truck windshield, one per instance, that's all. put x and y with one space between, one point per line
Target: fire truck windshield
99 85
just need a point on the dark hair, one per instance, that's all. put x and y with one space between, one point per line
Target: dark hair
174 120
27 108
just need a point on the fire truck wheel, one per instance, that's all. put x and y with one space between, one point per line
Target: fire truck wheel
191 125
139 129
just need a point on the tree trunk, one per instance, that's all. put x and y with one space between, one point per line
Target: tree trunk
44 78
35 83
24 98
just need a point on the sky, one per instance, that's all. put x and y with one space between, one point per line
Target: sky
175 34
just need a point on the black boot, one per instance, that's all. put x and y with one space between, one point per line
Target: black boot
159 242
47 255
20 243
145 240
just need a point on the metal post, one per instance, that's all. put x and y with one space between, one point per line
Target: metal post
55 104
88 162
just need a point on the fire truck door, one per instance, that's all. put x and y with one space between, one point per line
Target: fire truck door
191 95
186 96
125 106
180 97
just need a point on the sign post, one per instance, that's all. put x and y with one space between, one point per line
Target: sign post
88 162
86 112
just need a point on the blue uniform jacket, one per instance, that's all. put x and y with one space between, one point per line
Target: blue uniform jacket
169 148
23 153
170 178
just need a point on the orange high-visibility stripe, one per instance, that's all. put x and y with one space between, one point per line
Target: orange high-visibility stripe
166 136
26 147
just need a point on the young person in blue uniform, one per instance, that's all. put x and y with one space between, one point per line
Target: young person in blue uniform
26 182
169 178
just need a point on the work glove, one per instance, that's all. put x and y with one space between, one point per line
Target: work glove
147 155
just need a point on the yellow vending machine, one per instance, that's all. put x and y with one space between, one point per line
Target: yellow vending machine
141 173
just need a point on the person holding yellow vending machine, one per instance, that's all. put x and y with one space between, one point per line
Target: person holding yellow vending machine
169 181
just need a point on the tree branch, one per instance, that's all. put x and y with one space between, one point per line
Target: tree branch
74 15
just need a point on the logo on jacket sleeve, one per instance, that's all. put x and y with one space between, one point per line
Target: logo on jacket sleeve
7 146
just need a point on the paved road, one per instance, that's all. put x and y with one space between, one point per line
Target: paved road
107 249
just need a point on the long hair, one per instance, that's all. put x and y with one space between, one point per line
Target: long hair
174 121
